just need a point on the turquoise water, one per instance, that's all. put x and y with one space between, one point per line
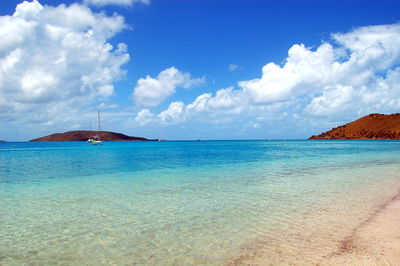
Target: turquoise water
183 203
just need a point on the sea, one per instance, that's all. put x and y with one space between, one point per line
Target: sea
243 202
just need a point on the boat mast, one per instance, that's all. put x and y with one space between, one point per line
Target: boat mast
99 122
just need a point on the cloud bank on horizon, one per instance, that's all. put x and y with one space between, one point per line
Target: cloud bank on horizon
57 62
357 72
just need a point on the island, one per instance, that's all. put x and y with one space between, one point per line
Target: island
84 135
373 126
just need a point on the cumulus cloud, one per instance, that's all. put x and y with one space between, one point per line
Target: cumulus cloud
174 114
153 91
53 59
115 2
341 77
353 74
225 102
144 117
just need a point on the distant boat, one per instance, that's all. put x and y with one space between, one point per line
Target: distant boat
97 140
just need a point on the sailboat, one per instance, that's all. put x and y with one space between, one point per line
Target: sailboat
96 140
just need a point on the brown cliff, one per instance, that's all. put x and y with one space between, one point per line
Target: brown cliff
373 126
84 135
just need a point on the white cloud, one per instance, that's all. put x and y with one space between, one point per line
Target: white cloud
302 70
104 105
253 125
233 67
174 114
144 117
115 2
337 98
336 79
153 91
225 101
355 74
55 59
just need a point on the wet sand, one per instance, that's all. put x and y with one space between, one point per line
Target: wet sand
375 242
372 241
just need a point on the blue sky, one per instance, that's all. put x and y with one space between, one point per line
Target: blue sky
196 68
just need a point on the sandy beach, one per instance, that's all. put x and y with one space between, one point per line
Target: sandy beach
375 242
371 240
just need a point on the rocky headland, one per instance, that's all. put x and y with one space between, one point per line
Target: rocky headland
373 126
84 135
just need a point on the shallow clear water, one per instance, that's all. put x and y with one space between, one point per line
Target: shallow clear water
181 203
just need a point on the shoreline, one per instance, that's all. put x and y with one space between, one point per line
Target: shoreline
376 241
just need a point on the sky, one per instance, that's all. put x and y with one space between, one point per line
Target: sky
196 69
